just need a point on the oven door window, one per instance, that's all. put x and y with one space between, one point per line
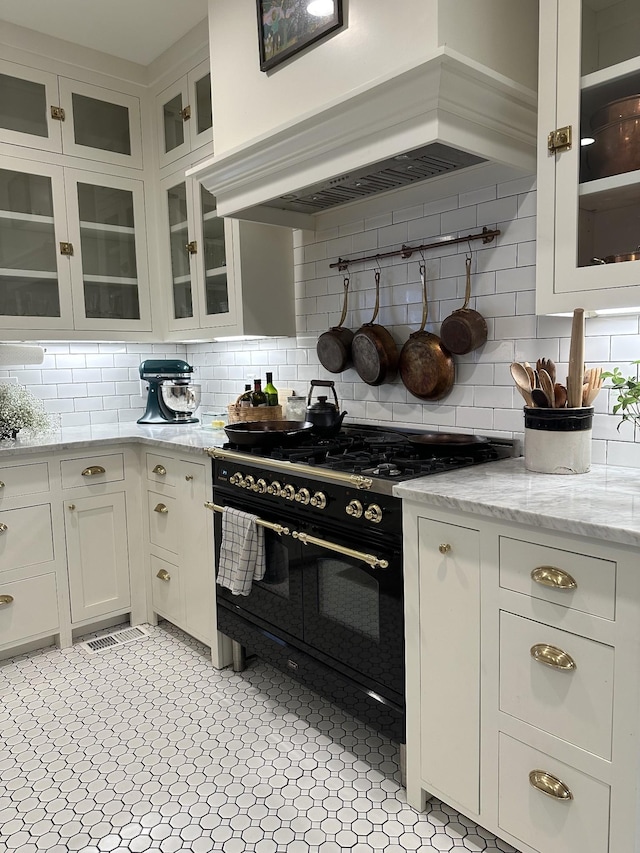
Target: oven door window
349 597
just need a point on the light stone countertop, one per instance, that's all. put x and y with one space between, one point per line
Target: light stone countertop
191 437
604 503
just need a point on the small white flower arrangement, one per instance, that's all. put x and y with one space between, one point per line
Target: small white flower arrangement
20 409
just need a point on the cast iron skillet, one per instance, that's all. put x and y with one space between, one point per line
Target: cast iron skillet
448 442
267 433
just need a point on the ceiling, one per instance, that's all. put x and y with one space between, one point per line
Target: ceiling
138 30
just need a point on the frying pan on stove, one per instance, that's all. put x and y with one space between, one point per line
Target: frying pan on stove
446 442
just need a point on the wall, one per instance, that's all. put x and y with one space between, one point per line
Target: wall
94 383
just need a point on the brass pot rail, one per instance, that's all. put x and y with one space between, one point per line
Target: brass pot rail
406 251
369 559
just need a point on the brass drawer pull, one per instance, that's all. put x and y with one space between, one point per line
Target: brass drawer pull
549 785
163 575
3 527
5 599
160 508
555 578
92 470
159 469
552 656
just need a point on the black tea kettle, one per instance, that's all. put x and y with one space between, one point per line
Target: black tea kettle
324 415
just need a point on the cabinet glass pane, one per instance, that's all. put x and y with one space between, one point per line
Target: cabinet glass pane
203 103
100 124
28 258
23 106
609 196
215 258
173 124
108 246
180 259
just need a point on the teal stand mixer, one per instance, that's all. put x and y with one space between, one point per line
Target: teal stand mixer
172 398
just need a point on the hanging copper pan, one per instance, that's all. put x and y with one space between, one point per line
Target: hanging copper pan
465 329
374 352
426 365
334 345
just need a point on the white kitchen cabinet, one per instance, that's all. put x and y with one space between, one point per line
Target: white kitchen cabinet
73 253
536 634
588 207
227 277
184 115
39 109
180 531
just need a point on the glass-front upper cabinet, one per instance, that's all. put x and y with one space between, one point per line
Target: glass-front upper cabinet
35 289
216 236
40 110
185 118
589 155
109 254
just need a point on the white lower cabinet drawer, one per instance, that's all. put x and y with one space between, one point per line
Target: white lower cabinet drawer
28 608
20 480
166 586
92 470
575 704
26 537
579 824
163 521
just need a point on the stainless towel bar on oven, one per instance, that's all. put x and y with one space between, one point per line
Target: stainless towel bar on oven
279 529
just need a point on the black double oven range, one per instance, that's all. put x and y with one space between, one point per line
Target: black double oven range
329 610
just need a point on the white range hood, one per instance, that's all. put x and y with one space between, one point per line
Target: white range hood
445 114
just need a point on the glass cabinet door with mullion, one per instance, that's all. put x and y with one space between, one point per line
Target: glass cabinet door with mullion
201 121
35 282
109 262
597 191
217 296
28 101
181 247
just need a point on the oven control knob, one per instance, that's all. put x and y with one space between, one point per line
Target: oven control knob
303 497
373 513
289 492
274 489
260 486
235 479
354 508
319 500
248 483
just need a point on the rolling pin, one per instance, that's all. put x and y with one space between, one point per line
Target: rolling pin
576 360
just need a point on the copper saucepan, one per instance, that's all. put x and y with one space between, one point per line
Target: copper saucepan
373 349
334 345
465 329
616 259
616 130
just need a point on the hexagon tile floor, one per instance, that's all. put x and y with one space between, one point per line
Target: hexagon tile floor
146 747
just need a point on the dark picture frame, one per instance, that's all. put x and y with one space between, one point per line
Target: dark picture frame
285 28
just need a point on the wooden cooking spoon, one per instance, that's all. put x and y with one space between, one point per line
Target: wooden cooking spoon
547 386
523 382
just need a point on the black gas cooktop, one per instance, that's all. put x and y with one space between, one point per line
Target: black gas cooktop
383 453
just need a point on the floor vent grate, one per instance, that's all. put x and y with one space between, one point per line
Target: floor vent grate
117 638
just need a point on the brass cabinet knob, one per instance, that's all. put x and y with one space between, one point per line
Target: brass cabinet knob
549 785
71 506
373 513
92 470
444 548
3 527
5 599
319 500
553 577
159 469
188 477
163 575
354 509
552 656
161 508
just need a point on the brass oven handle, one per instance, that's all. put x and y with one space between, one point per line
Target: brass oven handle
5 599
159 469
555 578
369 559
552 656
161 508
93 469
3 527
163 575
549 785
278 528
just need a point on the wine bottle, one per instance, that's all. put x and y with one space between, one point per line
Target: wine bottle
270 391
245 399
258 397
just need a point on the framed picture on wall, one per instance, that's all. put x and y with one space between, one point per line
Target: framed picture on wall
286 27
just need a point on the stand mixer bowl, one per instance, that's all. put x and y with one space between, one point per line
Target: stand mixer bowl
181 398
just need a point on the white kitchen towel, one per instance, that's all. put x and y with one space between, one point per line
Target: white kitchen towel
241 551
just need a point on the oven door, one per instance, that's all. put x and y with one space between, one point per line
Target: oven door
353 612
